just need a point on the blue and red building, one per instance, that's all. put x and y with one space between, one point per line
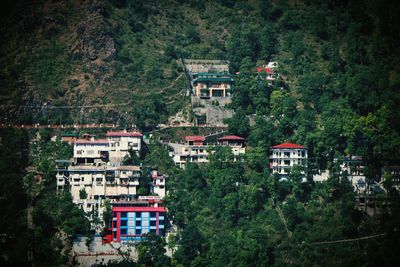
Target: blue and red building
131 223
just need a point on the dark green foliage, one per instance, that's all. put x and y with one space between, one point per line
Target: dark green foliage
132 158
151 252
338 94
239 124
14 200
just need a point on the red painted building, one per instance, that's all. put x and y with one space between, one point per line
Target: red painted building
195 140
131 223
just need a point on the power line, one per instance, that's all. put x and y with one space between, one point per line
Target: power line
347 240
71 107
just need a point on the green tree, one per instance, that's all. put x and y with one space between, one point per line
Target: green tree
151 251
83 194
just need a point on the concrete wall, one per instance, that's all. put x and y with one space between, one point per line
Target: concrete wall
215 116
222 101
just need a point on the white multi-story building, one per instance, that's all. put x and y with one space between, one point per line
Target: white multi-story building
236 143
121 142
95 173
284 157
196 150
94 183
354 167
391 170
158 183
91 151
113 149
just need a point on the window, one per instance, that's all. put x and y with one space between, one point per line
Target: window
124 214
83 179
138 231
138 214
124 222
153 231
124 231
152 214
153 223
138 223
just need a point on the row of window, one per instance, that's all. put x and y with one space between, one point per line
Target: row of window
288 162
138 214
124 232
139 223
300 153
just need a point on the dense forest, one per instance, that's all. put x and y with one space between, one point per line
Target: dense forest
338 95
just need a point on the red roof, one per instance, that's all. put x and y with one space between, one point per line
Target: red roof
267 70
231 138
98 141
144 209
124 134
195 138
288 145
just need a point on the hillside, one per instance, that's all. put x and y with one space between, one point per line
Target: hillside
89 53
126 53
119 61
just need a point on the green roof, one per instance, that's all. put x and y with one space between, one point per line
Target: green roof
212 74
210 79
70 135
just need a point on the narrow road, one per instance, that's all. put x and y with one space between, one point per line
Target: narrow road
280 213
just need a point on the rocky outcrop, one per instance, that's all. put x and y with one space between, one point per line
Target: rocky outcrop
94 41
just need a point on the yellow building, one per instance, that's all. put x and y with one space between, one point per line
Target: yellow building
209 85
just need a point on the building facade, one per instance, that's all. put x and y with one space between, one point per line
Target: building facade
236 143
132 223
196 150
69 138
95 173
269 71
284 157
210 85
353 167
158 183
91 151
112 149
121 142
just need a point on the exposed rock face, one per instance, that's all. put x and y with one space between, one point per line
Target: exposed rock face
94 40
